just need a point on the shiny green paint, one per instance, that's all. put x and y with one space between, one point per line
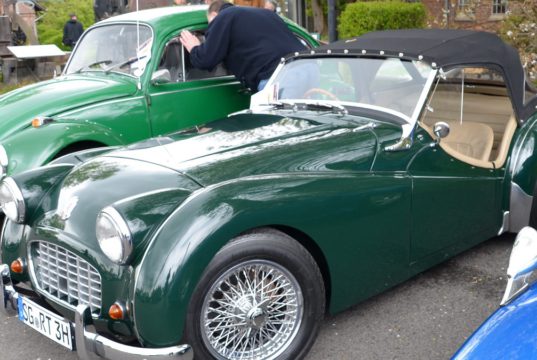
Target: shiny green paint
375 216
94 108
522 169
443 187
353 242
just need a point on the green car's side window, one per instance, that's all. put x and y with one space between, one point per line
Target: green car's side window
175 65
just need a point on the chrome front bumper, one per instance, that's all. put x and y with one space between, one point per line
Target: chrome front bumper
89 345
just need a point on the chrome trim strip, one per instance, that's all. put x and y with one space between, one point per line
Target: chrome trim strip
4 161
123 229
17 198
89 344
505 223
519 207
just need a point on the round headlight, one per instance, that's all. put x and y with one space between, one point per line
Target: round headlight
4 161
114 235
11 200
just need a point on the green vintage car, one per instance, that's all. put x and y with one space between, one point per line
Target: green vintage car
128 79
360 165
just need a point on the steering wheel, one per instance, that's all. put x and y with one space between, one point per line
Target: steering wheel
324 92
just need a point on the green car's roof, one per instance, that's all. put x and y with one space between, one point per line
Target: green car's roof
164 17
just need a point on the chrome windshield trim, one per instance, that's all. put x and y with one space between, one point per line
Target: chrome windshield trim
4 162
64 73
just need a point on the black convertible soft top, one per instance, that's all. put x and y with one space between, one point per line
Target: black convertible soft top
445 48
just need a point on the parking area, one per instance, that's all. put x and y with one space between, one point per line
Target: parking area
427 317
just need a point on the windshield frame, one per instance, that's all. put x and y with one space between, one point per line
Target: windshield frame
94 27
266 96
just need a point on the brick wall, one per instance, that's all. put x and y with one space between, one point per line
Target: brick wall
481 19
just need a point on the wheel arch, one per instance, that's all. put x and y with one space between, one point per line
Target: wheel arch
522 174
313 248
183 246
78 146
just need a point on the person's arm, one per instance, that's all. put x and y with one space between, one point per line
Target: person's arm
214 50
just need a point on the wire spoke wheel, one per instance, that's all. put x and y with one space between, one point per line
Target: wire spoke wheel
252 311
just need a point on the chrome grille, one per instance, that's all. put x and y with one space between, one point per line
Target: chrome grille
66 276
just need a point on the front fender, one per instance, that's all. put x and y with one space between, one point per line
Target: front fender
35 147
188 240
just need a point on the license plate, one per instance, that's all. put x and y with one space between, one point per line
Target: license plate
46 322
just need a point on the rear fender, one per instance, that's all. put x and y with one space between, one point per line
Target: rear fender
522 174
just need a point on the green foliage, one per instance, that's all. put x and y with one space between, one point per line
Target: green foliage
50 26
520 30
5 88
361 17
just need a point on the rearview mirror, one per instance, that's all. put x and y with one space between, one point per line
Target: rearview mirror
441 130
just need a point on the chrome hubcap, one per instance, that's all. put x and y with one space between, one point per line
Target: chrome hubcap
252 312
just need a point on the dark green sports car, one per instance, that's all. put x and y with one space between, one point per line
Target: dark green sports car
360 165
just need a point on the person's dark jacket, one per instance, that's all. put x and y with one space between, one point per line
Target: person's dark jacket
72 32
250 42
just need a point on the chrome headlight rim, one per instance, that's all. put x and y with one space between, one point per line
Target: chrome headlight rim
17 198
4 161
122 230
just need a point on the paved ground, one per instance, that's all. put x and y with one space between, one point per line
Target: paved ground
427 317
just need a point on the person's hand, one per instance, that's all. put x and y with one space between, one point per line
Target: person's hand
189 40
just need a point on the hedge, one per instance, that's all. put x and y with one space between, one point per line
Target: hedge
361 17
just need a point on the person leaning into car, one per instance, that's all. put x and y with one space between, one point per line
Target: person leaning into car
250 41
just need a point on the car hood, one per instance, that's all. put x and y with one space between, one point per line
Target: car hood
250 145
52 97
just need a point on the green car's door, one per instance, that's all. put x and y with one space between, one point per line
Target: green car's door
180 96
457 184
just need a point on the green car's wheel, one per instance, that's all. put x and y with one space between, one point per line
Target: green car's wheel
261 297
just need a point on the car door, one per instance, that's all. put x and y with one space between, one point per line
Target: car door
456 183
181 97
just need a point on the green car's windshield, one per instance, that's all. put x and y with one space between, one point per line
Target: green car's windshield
386 84
113 47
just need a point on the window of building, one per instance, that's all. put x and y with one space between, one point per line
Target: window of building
499 7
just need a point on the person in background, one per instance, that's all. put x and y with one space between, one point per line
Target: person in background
72 31
250 41
271 5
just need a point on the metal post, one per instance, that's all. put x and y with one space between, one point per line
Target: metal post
332 32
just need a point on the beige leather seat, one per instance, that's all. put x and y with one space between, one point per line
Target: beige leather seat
470 139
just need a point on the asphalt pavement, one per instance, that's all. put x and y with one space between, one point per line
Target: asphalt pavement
427 317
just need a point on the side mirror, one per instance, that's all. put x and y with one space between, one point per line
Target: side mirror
161 76
522 263
441 130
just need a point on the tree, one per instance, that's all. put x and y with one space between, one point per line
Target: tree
50 26
520 30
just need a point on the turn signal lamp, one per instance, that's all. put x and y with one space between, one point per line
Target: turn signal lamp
40 121
116 312
17 266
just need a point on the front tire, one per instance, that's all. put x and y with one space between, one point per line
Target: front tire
261 297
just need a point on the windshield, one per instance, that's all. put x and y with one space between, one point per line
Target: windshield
113 48
388 84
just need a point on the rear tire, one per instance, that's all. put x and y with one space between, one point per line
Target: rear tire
261 297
